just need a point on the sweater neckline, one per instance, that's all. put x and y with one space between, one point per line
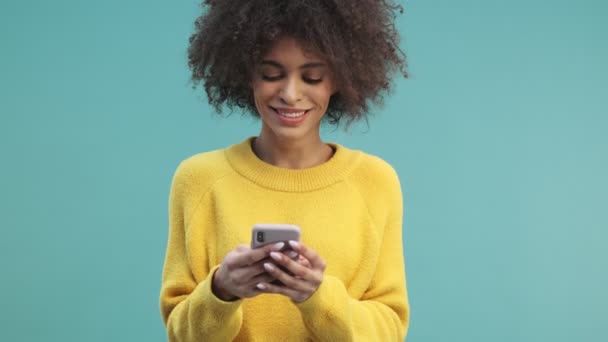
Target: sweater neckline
244 161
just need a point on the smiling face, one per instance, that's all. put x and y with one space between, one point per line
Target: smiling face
291 89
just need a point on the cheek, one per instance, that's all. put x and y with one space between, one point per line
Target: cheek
262 92
321 97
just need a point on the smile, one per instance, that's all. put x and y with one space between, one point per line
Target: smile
290 113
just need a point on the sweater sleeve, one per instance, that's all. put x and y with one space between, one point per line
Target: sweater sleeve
190 310
382 313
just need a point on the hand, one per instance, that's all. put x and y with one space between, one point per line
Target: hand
241 270
306 273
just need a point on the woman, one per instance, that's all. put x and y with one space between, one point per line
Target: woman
294 64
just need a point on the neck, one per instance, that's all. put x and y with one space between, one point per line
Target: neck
291 154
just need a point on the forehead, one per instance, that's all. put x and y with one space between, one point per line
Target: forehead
287 50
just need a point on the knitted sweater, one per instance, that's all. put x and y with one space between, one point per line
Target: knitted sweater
350 212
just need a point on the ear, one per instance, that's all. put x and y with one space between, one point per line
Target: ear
334 87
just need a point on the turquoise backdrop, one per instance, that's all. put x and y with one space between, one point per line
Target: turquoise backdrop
500 138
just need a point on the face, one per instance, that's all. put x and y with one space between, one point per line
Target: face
291 89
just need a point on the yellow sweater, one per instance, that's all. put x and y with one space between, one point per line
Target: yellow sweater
350 213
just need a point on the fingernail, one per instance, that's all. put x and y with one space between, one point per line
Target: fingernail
292 254
268 267
294 244
261 286
278 245
276 256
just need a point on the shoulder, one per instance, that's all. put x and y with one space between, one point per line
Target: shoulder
203 164
375 172
377 182
197 173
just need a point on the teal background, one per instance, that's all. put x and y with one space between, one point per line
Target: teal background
499 137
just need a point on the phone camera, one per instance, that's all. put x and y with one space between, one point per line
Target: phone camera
260 237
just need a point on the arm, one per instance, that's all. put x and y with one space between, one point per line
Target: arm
382 314
190 310
328 310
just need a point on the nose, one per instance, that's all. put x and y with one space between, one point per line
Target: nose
290 91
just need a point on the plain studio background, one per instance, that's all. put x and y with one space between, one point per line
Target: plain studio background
500 139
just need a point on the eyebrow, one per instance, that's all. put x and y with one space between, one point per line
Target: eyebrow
304 66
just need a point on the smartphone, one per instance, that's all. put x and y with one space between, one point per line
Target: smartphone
265 233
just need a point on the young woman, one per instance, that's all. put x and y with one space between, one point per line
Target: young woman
295 64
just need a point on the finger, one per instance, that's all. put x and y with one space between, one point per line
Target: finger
262 278
271 288
303 261
292 254
287 280
241 248
248 272
312 256
292 266
251 256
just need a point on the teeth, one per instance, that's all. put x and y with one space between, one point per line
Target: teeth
291 115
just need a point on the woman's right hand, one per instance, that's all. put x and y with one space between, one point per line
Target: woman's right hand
241 270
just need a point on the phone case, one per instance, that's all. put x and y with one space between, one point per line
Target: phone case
265 233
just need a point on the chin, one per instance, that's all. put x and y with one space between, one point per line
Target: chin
290 133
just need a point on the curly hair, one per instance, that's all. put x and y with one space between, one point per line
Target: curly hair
358 39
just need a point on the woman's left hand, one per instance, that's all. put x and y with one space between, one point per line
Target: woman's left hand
306 273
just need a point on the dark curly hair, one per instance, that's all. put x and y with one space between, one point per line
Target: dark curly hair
357 37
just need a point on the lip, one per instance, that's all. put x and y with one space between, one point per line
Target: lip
289 110
290 121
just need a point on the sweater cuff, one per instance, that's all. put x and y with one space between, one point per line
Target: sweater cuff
204 293
328 301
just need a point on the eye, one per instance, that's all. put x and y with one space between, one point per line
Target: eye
271 77
312 80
